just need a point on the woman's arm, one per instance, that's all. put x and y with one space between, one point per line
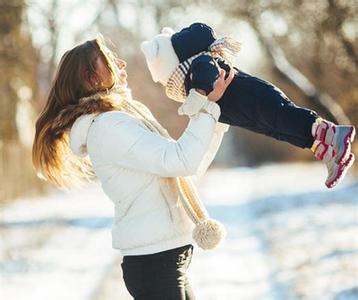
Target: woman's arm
193 105
126 143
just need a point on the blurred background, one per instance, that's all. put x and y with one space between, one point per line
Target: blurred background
289 237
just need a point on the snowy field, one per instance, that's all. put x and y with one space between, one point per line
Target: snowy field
288 238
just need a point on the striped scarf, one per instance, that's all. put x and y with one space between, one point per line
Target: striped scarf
225 48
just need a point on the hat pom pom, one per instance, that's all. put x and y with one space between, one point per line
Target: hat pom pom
150 49
168 30
208 234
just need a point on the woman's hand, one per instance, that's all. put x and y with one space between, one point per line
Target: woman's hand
220 86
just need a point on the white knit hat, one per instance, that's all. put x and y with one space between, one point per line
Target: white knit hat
160 56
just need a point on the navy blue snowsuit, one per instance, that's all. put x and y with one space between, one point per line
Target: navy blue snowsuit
248 102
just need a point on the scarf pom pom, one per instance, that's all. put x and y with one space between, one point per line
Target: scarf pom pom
208 234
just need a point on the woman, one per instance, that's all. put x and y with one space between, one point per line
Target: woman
90 126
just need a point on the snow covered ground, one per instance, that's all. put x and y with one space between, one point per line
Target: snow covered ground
288 238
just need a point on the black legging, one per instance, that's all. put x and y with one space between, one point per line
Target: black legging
159 276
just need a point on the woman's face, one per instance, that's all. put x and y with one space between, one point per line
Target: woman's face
119 68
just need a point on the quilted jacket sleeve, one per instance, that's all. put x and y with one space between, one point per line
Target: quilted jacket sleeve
127 143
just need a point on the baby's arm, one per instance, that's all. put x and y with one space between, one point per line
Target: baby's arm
204 72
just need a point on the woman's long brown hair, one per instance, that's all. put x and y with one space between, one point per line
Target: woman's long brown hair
51 155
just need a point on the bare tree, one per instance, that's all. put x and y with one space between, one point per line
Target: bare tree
10 41
18 86
324 101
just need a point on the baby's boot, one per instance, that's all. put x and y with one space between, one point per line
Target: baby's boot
336 171
339 137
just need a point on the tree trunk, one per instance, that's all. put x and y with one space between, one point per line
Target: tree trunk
326 104
10 21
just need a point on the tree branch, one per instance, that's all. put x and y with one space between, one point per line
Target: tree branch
324 101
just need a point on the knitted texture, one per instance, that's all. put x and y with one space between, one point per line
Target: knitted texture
225 48
175 88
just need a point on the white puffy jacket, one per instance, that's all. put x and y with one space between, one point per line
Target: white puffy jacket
129 159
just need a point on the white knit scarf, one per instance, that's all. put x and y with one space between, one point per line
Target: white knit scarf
208 233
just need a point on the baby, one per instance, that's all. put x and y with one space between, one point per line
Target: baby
192 59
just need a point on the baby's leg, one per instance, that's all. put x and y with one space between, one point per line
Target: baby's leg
261 107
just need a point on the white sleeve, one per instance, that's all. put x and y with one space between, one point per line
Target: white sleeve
128 144
196 102
215 143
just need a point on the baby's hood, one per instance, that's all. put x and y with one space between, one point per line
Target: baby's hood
165 51
160 56
192 40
